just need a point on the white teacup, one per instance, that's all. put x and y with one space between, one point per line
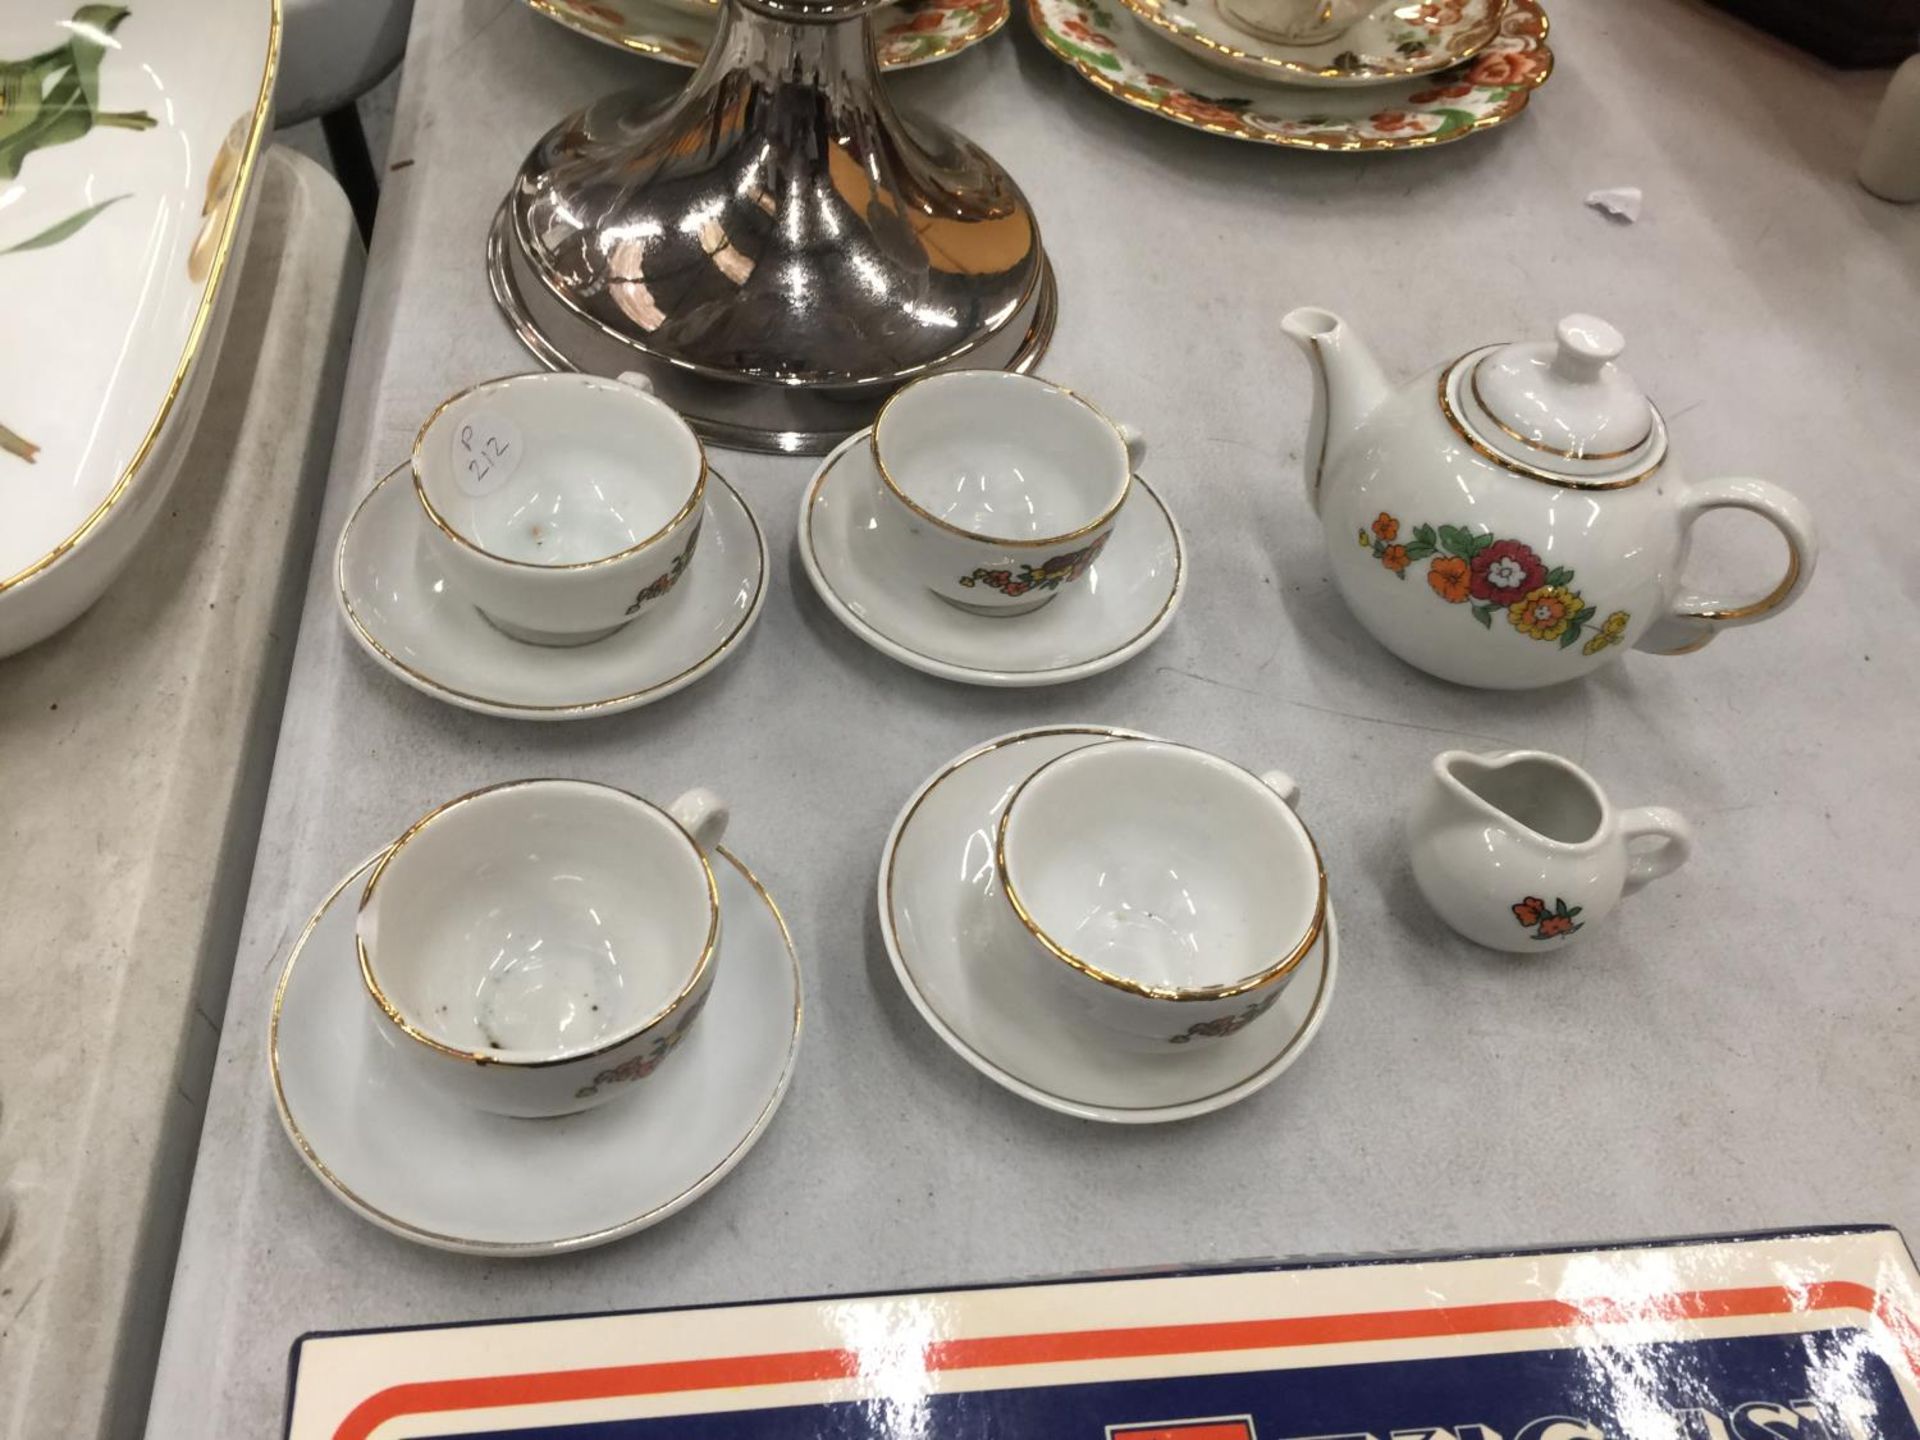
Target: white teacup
1005 487
541 947
1162 893
561 505
1296 22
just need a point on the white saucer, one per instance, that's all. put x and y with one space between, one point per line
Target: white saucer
398 606
434 1171
939 901
1115 612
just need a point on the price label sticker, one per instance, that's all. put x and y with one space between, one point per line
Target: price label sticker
487 449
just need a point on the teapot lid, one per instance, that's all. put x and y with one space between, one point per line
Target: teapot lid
1565 407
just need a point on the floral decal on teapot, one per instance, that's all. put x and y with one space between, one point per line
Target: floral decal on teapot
1491 576
1546 924
1051 573
1226 1024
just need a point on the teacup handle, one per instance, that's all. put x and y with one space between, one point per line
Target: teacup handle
1650 822
703 815
1135 442
1696 619
1283 785
636 380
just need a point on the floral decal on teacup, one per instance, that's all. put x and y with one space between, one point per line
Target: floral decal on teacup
1490 576
1051 573
673 573
1546 924
1226 1024
645 1063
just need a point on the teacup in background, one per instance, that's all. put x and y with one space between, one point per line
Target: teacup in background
541 947
561 505
1005 488
1297 22
1520 850
1161 893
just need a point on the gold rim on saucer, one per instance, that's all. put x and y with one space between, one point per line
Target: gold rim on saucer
529 1247
487 705
867 630
1053 1100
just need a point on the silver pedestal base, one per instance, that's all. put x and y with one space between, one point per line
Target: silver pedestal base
744 414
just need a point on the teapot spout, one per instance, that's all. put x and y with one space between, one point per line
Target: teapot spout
1348 384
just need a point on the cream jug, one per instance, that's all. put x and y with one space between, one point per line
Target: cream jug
1520 850
1514 518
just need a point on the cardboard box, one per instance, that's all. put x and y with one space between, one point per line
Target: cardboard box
1804 1336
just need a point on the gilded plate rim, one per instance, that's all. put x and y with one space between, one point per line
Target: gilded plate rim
1154 13
1513 105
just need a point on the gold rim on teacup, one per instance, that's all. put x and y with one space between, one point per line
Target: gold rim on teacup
1285 965
495 1057
1104 518
441 523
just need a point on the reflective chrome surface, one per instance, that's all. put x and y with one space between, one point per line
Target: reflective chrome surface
775 246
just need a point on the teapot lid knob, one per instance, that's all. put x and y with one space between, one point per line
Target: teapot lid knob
1545 403
1587 343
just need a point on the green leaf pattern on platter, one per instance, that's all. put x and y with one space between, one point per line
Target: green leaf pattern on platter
60 230
53 98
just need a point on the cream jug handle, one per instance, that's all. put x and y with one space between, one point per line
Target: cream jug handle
703 815
1648 822
1693 620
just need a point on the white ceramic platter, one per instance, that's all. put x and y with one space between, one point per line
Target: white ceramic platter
127 140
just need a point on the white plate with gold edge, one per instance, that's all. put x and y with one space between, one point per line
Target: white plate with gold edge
939 915
908 33
1115 51
1112 613
397 604
127 153
1401 42
431 1170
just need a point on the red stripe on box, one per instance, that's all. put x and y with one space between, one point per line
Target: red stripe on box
1210 1430
433 1397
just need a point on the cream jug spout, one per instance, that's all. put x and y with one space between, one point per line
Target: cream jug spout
1348 384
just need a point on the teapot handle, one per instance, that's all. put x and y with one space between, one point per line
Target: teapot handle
1693 620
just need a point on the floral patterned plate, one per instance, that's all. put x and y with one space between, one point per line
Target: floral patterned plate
911 32
1121 54
1411 39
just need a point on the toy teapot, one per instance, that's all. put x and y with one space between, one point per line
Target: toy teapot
1513 518
1521 850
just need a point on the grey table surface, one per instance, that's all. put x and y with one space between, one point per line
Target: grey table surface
1737 1050
135 748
